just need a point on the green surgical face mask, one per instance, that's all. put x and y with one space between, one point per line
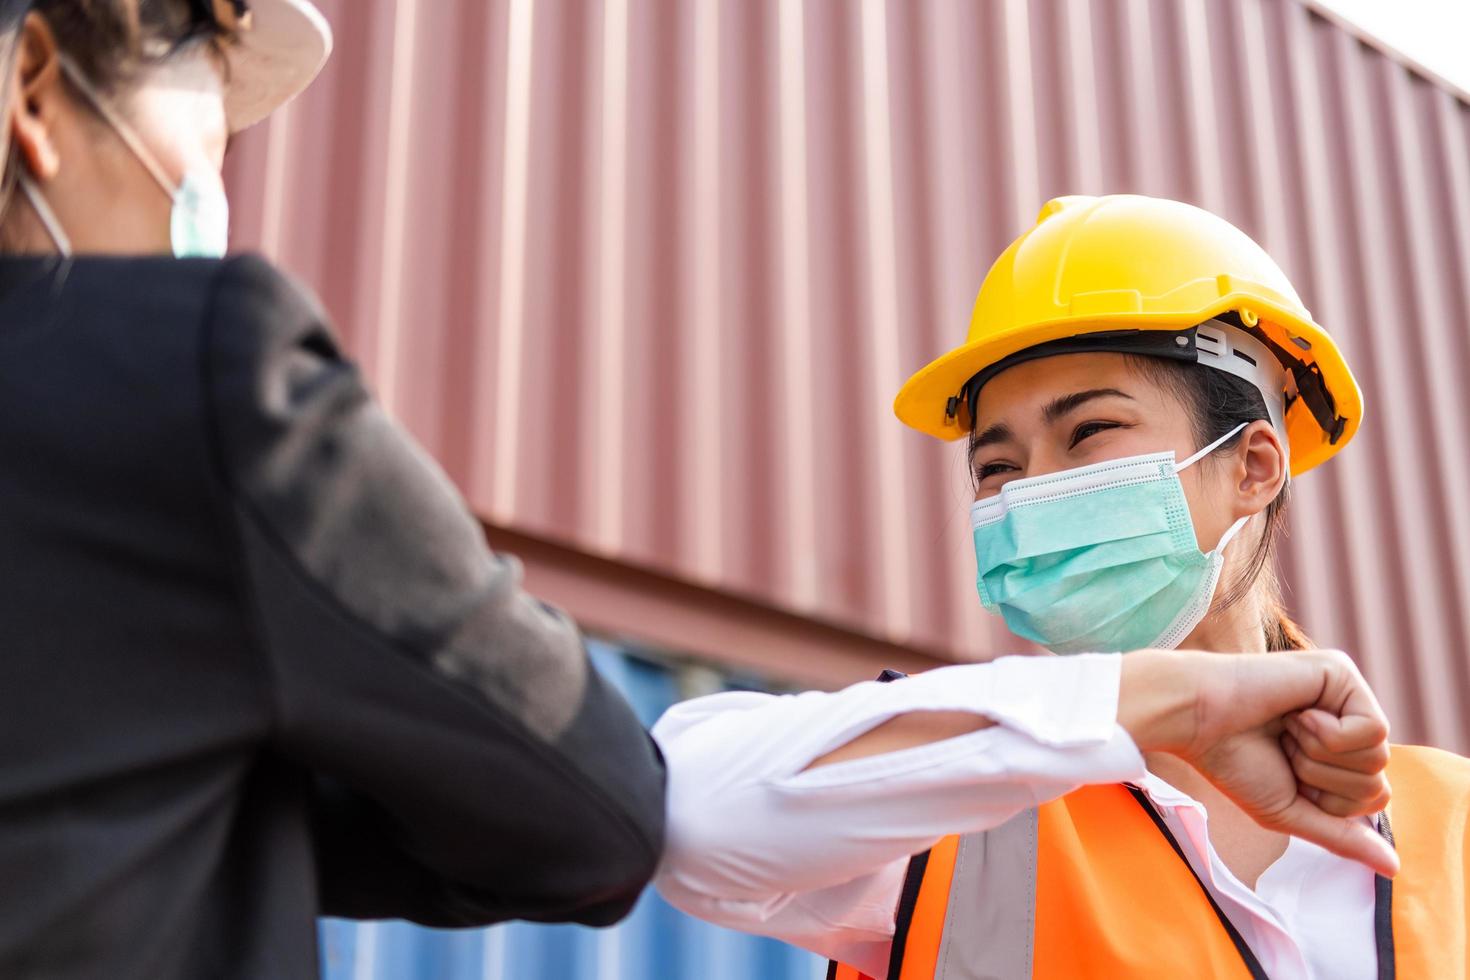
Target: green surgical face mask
1098 559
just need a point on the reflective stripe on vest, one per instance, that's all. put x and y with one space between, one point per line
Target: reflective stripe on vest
985 938
1087 886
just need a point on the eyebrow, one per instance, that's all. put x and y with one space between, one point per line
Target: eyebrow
1058 407
999 432
1070 403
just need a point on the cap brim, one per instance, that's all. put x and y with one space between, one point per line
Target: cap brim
286 45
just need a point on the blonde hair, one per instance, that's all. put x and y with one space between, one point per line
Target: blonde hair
12 14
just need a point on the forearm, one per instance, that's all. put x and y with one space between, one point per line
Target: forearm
763 804
1157 698
905 732
783 809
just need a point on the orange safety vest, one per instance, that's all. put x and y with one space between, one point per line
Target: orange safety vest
1093 885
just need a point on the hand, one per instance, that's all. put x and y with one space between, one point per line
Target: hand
1296 739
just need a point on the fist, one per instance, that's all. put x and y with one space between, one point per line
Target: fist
1296 739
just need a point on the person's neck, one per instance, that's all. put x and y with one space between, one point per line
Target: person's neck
1236 629
1240 628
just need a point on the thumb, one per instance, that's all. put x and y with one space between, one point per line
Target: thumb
1349 733
1349 837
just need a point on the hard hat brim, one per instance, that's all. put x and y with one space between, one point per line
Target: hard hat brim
923 402
274 59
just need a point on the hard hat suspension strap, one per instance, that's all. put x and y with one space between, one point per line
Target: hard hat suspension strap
1310 385
1175 345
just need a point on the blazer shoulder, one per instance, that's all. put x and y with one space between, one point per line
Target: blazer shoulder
255 308
255 280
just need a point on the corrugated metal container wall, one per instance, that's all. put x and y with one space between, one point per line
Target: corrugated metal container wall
646 274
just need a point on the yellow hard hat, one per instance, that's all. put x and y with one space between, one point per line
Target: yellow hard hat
1132 273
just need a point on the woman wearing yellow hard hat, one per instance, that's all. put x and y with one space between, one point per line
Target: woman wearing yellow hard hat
1139 386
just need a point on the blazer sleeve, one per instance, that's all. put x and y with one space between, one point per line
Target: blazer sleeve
470 764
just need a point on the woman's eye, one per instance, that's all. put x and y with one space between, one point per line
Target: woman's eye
987 470
1090 429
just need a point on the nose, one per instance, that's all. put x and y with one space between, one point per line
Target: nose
1044 459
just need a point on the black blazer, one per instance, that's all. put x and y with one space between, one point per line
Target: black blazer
256 662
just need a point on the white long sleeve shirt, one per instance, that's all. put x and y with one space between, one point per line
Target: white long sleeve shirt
818 858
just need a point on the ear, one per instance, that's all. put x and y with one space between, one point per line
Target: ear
1261 468
35 88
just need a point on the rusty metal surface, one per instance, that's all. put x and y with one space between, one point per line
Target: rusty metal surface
645 274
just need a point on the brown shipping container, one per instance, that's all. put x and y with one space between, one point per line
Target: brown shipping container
645 275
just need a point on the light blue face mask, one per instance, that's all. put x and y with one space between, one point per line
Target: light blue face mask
1098 559
199 220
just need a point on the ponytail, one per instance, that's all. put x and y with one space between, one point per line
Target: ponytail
1282 632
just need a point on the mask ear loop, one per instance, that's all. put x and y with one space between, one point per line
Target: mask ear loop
1231 532
124 131
43 211
1210 448
1234 529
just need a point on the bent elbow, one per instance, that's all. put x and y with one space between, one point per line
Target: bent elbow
598 875
609 843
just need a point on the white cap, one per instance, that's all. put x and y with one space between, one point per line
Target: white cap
286 43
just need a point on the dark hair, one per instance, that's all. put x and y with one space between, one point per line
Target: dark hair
1218 402
113 40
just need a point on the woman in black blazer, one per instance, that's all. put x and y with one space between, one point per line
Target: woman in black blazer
256 662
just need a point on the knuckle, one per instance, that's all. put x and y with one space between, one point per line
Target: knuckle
1322 658
1367 763
1337 742
1314 747
1345 806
